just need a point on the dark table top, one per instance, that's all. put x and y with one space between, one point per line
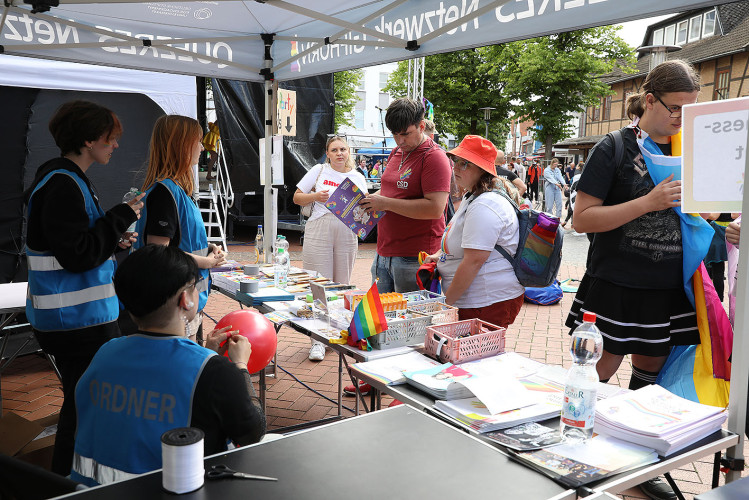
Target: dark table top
395 453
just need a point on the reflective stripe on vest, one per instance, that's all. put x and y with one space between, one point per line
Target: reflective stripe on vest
88 468
76 298
59 299
43 263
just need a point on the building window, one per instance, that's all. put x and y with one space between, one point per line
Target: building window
721 85
383 80
359 119
658 37
708 27
681 33
606 108
669 35
695 28
596 114
384 100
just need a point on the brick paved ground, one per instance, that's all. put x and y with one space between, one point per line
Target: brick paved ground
29 388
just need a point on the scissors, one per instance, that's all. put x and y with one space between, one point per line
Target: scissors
221 471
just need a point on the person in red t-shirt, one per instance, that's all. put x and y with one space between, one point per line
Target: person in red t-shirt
415 187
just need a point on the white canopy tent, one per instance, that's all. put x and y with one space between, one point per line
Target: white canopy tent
267 40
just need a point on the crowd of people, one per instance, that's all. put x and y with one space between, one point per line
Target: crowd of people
633 279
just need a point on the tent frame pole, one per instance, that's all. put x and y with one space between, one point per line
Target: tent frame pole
269 221
737 402
336 36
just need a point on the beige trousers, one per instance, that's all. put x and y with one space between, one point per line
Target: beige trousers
329 248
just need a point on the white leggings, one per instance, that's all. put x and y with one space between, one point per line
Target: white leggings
329 248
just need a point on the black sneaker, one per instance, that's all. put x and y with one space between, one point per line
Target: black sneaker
658 489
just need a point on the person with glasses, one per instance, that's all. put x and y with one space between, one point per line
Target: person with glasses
475 276
633 280
140 386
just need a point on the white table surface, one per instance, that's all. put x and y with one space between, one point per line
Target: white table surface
13 297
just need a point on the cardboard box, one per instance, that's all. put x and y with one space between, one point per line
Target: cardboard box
29 440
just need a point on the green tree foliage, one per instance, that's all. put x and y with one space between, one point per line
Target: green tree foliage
345 84
458 84
552 77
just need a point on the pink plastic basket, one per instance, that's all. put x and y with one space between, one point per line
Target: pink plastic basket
464 341
440 313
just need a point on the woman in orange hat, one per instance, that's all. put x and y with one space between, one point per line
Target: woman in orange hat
477 279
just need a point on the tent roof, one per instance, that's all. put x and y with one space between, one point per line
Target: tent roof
225 38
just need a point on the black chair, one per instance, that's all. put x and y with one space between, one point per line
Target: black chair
21 480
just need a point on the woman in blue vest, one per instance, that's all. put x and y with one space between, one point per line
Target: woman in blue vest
70 244
170 216
139 386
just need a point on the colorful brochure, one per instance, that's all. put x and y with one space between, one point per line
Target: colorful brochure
344 204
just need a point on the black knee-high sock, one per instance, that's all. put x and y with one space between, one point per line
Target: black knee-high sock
641 378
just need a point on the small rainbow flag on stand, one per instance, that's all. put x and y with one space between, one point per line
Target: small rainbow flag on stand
369 316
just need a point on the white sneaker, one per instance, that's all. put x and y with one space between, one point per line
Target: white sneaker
317 351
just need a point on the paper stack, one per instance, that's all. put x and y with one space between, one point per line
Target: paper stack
390 370
656 418
441 381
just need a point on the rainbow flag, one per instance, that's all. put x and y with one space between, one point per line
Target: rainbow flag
701 372
369 316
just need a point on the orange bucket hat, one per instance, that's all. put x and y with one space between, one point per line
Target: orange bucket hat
479 151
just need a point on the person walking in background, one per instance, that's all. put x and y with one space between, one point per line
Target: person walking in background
71 303
210 144
478 279
634 279
534 174
502 172
329 245
573 193
415 187
170 216
553 186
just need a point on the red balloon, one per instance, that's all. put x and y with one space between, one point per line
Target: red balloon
259 331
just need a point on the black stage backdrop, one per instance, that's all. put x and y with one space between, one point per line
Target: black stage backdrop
27 144
240 111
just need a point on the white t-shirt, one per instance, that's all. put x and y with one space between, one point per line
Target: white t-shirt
480 224
520 171
329 179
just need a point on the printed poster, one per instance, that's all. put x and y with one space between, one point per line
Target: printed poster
344 204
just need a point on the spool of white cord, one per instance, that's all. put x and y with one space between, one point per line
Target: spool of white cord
182 459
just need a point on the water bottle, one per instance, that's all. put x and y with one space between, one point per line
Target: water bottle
126 199
578 410
281 263
259 243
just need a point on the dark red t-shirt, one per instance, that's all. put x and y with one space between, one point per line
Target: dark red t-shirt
425 170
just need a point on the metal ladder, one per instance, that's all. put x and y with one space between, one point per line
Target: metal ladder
215 201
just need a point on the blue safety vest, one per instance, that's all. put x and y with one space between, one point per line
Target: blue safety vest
193 238
135 389
59 299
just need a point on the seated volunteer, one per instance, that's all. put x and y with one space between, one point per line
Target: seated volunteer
477 279
140 386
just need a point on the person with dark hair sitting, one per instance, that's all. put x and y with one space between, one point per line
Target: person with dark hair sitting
140 386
